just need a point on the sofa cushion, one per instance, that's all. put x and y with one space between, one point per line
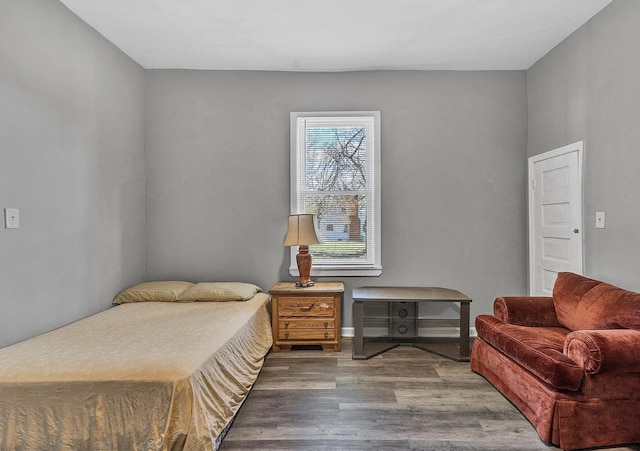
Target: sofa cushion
586 304
537 349
567 293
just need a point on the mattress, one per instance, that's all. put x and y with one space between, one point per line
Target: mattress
139 376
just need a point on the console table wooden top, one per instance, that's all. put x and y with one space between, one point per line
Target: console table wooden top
433 294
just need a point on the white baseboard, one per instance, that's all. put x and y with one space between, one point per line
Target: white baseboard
452 332
348 332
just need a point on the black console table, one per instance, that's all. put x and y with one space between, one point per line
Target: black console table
362 295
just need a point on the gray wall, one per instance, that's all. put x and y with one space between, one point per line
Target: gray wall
588 88
71 159
217 163
453 175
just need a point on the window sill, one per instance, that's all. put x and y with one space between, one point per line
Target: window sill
347 271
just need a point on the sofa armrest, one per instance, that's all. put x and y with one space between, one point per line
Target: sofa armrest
535 311
608 350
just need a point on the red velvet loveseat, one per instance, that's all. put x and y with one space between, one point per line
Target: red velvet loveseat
570 363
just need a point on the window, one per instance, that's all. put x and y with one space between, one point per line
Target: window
335 174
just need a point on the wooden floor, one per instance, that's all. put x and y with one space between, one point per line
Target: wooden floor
404 399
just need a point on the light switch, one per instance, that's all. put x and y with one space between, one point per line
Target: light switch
12 218
599 219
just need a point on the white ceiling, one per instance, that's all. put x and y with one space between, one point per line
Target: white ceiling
336 35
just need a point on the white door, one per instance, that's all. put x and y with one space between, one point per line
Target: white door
555 216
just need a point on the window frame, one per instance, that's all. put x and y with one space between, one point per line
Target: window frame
374 266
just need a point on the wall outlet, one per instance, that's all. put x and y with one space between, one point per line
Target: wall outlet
11 218
599 219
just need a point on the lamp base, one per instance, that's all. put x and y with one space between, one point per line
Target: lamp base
306 284
304 267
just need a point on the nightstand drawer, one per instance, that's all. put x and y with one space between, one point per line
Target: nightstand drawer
306 306
292 324
309 334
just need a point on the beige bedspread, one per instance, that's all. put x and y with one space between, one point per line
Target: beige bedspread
141 376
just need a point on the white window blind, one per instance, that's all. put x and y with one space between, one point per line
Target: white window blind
335 174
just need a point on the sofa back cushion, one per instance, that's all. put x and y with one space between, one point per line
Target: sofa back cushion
582 303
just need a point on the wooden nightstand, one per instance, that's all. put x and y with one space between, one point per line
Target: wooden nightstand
306 316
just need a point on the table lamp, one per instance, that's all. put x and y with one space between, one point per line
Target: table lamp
302 233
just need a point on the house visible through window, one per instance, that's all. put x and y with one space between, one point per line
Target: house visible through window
335 174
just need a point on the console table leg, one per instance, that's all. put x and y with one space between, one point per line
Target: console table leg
464 329
358 322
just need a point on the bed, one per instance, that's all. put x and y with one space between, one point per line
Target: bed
146 374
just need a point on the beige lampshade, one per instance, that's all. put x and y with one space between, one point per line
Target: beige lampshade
301 231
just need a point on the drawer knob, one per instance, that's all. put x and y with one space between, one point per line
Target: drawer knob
286 325
286 335
326 324
306 309
326 335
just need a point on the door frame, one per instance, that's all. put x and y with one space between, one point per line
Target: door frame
575 147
